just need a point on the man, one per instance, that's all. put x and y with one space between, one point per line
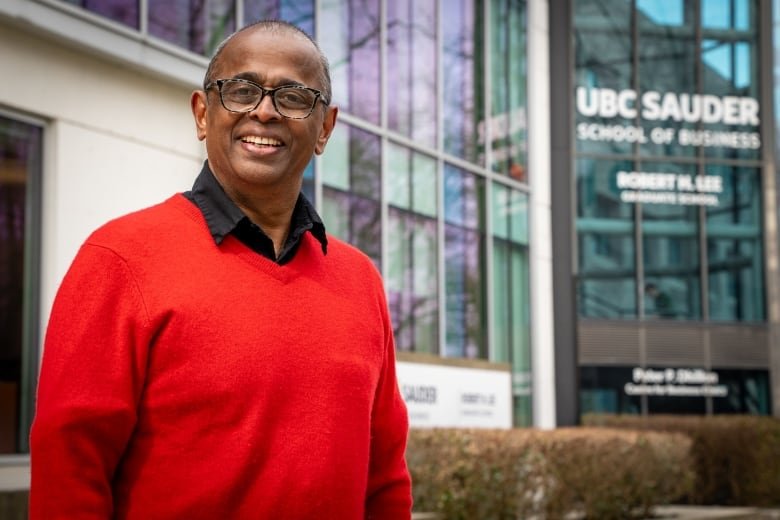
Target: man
662 304
217 356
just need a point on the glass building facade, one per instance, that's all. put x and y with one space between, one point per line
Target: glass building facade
662 162
669 206
426 171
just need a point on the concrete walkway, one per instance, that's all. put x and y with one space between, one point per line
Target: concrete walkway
685 513
715 512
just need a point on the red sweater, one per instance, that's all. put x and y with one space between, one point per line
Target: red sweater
185 380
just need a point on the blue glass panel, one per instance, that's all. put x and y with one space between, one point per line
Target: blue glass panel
464 246
297 12
670 239
726 14
734 246
663 12
606 252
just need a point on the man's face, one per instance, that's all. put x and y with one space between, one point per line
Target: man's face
260 152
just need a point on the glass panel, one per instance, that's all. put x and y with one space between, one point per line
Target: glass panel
731 74
411 275
412 282
307 188
351 42
463 65
464 246
662 12
351 188
20 156
667 78
411 58
602 73
297 12
511 324
734 247
727 14
605 231
508 67
197 25
122 11
670 239
602 391
749 392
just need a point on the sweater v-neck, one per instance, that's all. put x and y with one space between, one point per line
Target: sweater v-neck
233 246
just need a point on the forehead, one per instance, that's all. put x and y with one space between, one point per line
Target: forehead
271 55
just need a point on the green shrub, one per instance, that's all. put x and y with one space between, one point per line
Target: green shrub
520 473
736 458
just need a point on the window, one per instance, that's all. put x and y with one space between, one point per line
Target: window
667 160
463 78
605 246
508 127
464 244
20 174
351 189
511 294
411 274
197 25
352 46
411 55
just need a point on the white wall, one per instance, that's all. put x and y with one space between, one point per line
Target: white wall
116 140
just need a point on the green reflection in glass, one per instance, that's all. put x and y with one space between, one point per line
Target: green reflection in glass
670 239
411 275
605 239
511 341
734 247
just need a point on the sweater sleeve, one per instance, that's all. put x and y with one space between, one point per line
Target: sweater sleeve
389 484
91 378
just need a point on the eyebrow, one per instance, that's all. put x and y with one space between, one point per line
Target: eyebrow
252 76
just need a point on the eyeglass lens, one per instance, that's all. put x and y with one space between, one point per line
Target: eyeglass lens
293 102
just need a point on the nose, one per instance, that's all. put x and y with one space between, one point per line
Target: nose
265 110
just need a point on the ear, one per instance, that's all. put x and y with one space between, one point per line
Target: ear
328 122
198 105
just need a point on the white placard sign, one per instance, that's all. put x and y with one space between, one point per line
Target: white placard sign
447 396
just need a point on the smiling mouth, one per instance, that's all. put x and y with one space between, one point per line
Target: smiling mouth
261 141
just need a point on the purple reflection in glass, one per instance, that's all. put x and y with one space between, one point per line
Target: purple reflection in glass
411 60
122 11
197 25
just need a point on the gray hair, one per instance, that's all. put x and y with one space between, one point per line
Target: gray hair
276 26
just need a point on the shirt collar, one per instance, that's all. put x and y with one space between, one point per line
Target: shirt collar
223 216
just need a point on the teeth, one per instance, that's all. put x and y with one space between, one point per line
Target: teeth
261 141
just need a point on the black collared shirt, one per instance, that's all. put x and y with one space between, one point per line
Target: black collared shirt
223 217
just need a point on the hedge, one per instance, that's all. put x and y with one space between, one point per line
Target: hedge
591 473
736 457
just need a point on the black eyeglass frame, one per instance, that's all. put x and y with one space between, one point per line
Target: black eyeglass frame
265 92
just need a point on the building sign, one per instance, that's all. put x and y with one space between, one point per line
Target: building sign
675 382
446 396
663 109
669 188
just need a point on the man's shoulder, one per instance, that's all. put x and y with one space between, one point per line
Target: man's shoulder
160 220
346 252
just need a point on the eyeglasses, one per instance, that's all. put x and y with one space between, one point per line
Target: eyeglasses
291 101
